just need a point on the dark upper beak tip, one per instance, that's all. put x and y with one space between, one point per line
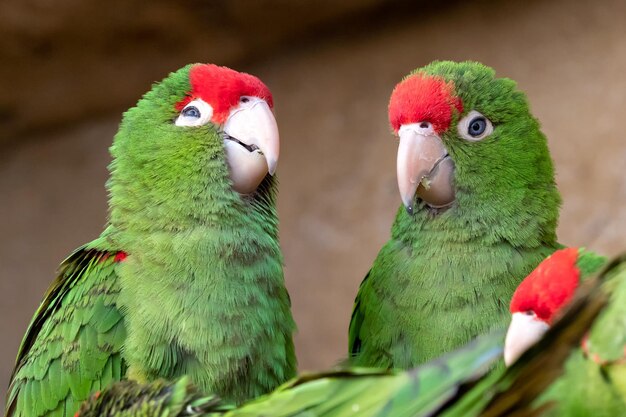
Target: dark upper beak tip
409 209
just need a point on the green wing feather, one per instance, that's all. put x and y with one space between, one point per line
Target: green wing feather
354 339
72 345
607 339
367 392
355 392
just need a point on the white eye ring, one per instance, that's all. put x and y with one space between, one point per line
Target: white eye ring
474 127
196 113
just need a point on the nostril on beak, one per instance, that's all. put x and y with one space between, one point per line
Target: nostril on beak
424 125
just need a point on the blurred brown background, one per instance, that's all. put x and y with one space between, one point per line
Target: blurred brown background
69 68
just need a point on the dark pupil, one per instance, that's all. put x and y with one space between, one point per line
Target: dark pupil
477 126
191 111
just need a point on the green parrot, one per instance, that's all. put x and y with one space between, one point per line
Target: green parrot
187 278
463 383
480 212
594 382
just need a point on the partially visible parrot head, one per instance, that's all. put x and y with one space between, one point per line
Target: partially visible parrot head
468 141
202 138
128 398
539 299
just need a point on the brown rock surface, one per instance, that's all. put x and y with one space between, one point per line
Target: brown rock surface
66 60
338 193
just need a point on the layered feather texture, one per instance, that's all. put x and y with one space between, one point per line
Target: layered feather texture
73 345
463 383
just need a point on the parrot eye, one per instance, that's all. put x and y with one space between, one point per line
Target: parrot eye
475 126
191 111
196 113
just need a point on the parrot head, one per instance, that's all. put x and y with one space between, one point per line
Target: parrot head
468 142
240 105
204 137
539 299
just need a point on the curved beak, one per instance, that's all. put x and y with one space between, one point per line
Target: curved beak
424 167
524 331
252 144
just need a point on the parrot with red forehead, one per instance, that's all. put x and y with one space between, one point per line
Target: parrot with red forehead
480 208
594 382
187 277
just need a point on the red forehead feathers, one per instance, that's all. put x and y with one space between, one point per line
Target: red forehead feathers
222 88
423 98
549 287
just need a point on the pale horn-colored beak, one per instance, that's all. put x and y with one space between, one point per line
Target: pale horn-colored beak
524 331
423 166
252 144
